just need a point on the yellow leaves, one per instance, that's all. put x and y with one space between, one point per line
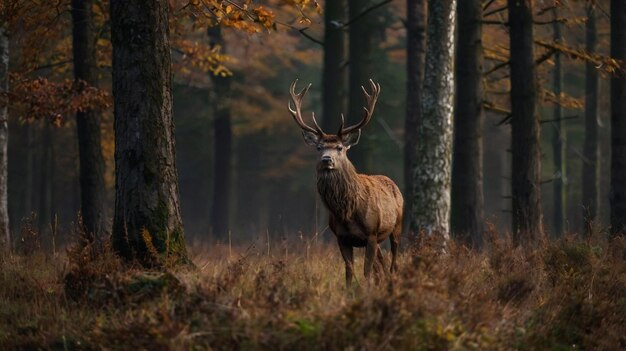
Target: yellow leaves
147 239
562 99
199 57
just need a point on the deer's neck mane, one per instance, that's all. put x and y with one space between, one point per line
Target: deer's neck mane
339 190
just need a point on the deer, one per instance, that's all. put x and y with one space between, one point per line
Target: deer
364 210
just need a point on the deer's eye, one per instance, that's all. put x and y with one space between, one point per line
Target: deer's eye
319 147
339 147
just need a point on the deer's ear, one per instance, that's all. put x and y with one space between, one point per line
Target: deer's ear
310 138
351 138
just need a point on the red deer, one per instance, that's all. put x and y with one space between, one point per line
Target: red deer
364 209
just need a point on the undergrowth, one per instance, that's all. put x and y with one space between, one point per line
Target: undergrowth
562 295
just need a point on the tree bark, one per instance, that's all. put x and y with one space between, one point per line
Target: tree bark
46 181
591 169
415 56
525 148
91 162
334 56
467 210
28 170
147 223
559 139
222 148
618 121
431 201
361 43
5 234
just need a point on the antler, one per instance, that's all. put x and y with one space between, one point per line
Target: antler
369 110
297 114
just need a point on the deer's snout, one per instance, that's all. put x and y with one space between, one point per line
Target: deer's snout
326 161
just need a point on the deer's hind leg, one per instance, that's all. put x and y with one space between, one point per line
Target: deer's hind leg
380 270
347 253
371 253
394 239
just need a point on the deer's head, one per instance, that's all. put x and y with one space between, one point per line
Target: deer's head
332 148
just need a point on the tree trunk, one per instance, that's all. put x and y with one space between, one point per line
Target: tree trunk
525 148
29 170
147 223
591 148
415 54
334 57
559 139
467 165
361 37
5 234
618 121
431 202
222 148
46 181
91 162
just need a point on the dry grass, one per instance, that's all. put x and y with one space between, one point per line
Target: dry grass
564 295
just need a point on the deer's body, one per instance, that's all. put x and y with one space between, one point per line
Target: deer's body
371 204
364 209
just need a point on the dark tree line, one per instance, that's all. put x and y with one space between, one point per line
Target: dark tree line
445 118
91 162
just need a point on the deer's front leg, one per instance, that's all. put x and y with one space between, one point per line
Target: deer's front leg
348 258
370 254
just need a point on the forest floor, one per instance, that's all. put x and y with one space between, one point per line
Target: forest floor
566 294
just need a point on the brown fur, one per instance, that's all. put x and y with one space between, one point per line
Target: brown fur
364 210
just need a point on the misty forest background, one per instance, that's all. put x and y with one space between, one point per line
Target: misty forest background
242 165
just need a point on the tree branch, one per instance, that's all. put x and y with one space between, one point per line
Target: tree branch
494 11
364 12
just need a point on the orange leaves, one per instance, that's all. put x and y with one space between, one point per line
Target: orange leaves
40 98
264 17
243 16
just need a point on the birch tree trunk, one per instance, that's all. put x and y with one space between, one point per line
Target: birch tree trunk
416 52
618 121
525 148
431 201
91 162
467 166
334 74
559 139
4 139
147 223
591 150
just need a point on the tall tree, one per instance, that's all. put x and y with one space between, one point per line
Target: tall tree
361 35
467 210
147 223
91 162
590 173
431 201
525 148
559 137
222 148
4 137
415 54
618 120
46 180
334 57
